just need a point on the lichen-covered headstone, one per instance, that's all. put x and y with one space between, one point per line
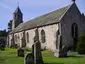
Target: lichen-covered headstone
33 51
20 52
58 52
62 50
2 44
35 57
37 49
28 59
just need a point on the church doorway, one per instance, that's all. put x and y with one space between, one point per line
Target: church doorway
74 30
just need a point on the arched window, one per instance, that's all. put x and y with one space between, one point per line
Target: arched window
57 34
27 37
74 30
43 36
16 38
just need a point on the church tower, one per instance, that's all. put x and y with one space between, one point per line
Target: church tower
17 18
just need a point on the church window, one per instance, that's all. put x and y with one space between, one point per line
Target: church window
27 37
43 36
74 30
57 34
16 38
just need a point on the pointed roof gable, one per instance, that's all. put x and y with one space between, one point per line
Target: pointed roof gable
17 10
47 19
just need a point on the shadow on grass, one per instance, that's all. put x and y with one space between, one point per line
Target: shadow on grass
75 56
53 63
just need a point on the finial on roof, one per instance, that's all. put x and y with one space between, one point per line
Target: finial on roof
73 0
18 3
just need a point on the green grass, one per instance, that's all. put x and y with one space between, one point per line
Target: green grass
9 57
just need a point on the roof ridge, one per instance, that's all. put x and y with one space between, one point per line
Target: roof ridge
66 11
47 13
17 10
45 19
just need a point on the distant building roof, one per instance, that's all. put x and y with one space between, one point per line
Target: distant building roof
49 18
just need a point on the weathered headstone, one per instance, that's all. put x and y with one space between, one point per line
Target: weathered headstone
33 50
20 52
35 57
2 44
29 59
37 49
58 51
62 50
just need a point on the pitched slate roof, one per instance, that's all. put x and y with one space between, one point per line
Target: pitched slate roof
49 18
17 10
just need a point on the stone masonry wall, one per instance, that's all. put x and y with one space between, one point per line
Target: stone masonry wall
72 16
50 33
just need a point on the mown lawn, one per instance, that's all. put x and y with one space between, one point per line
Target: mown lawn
9 57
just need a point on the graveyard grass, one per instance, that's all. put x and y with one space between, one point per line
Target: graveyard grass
9 57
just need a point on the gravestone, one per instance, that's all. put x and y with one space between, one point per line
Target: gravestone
2 44
62 50
58 51
29 59
33 51
35 57
20 52
37 49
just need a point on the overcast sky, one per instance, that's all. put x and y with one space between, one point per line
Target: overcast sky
32 8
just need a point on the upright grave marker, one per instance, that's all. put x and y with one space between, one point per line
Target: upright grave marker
20 52
37 49
35 57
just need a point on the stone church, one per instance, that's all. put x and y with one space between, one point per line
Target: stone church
66 22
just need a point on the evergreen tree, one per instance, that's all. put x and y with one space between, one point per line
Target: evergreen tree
81 44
